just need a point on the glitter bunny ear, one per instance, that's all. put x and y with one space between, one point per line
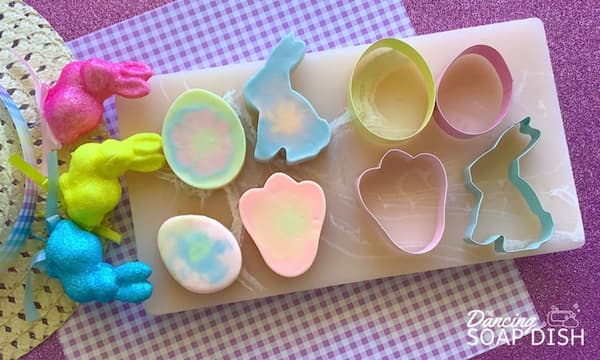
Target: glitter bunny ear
147 150
128 79
132 79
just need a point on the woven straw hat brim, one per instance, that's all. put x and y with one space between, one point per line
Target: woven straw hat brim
26 32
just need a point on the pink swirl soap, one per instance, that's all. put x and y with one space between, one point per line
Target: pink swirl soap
203 140
284 218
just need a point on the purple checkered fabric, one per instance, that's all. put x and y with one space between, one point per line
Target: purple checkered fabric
419 316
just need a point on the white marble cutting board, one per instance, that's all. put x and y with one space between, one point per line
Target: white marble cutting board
350 249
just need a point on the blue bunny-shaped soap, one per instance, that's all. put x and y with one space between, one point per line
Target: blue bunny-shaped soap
286 119
74 256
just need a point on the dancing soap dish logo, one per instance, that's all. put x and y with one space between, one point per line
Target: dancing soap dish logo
561 328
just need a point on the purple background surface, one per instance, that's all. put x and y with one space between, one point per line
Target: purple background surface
574 39
573 33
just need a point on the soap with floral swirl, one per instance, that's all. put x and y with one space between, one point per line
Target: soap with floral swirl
287 121
199 252
203 140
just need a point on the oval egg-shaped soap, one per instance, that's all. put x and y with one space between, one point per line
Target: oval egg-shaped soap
203 140
199 252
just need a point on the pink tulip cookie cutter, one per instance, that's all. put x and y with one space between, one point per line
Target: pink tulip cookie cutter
467 91
371 187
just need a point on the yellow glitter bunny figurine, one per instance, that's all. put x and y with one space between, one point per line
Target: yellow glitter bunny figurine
91 188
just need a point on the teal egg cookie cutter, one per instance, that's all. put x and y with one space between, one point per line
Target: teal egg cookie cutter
526 191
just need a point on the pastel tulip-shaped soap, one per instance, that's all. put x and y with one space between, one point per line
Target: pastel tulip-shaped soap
199 252
286 119
284 218
203 140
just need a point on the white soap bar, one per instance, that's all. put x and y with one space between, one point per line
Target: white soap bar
200 253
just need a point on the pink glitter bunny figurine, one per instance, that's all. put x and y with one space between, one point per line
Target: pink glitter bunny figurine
73 105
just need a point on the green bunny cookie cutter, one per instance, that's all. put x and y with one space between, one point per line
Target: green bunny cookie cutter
526 191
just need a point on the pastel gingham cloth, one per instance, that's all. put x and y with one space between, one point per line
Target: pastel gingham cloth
417 316
21 229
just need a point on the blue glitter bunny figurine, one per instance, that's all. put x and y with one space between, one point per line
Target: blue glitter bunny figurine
74 256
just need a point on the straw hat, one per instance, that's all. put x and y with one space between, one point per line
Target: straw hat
26 32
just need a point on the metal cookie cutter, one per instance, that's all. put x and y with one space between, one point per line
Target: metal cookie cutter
529 195
391 95
473 92
397 195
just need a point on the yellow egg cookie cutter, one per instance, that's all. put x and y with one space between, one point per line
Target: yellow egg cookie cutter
377 73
